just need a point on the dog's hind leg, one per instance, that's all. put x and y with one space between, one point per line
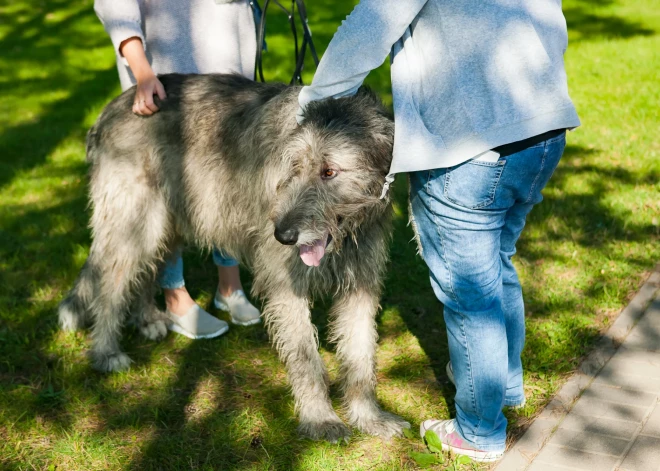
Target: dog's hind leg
353 328
123 269
124 261
130 226
73 311
289 323
109 308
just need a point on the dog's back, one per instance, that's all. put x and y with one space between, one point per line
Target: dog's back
194 104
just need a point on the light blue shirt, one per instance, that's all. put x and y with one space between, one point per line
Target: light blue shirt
467 76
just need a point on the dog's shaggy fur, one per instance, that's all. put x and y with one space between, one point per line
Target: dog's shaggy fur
224 163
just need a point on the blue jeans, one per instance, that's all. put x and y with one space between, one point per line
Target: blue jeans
172 275
469 218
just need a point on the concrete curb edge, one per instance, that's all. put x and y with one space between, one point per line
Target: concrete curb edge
521 454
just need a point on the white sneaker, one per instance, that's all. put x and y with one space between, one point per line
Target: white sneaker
197 324
237 304
452 441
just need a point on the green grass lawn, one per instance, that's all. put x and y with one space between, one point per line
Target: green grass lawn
224 404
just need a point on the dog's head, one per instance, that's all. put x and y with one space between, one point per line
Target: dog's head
336 161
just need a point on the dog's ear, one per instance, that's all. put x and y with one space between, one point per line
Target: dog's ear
365 91
381 131
371 98
380 125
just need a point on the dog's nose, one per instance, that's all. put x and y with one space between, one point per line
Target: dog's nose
287 237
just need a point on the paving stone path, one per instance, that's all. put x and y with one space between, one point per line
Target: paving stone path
607 416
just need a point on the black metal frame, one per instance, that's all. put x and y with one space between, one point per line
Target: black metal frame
299 51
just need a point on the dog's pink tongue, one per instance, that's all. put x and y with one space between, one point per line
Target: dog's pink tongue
311 255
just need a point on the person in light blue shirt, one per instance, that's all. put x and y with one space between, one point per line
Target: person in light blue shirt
481 107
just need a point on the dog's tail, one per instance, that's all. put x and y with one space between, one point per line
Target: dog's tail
73 311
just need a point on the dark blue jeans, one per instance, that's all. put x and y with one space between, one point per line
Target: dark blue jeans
469 218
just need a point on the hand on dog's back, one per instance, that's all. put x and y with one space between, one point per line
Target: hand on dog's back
148 84
144 104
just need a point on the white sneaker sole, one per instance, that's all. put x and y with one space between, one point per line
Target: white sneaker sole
223 307
180 330
478 456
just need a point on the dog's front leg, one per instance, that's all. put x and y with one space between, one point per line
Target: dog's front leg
353 329
289 323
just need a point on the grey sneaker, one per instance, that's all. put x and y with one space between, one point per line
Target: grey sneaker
197 324
237 304
450 376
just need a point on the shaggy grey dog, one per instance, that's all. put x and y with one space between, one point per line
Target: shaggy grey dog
224 163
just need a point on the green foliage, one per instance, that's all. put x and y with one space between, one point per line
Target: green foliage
460 462
433 442
426 460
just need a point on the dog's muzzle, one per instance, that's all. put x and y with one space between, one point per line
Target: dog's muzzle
287 236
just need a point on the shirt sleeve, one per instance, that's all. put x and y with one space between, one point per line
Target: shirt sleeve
360 45
121 20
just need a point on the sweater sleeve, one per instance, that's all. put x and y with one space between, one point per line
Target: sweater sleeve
121 20
360 45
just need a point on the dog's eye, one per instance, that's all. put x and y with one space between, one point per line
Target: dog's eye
329 174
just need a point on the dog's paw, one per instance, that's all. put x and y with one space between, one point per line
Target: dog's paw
69 319
106 363
156 330
333 431
382 424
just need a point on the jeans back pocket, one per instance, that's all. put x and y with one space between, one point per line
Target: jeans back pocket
472 184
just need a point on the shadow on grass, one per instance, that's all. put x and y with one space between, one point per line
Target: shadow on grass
35 256
586 22
33 247
176 437
38 44
224 438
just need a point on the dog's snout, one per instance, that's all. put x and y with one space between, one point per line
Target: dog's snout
287 236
